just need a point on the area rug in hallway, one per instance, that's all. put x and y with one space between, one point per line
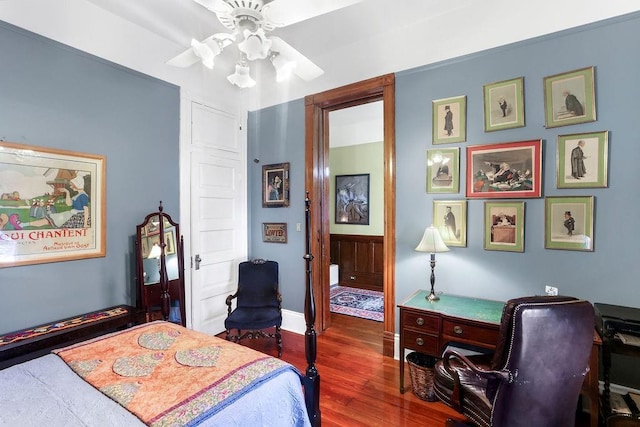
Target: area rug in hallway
357 302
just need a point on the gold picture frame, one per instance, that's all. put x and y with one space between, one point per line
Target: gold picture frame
275 185
450 218
582 160
504 104
53 228
504 226
443 170
569 223
449 120
570 98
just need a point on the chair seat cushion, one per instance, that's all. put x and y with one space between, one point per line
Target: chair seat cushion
253 318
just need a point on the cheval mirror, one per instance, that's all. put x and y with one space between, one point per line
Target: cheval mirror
160 268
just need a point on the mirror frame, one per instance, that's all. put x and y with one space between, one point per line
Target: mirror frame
164 283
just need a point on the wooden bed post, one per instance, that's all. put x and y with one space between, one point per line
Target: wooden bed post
311 381
165 298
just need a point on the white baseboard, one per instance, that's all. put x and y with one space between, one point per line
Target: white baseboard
293 321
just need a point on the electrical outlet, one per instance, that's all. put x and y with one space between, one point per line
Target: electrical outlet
551 290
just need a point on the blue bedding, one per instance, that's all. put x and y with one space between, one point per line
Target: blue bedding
45 391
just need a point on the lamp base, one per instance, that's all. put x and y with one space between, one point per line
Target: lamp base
432 297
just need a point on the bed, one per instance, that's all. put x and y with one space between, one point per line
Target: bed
157 373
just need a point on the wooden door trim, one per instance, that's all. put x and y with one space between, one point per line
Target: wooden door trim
317 109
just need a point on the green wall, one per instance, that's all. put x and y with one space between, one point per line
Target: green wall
360 159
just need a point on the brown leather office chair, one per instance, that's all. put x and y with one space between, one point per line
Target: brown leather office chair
536 372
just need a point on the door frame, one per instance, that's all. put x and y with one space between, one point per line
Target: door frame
317 109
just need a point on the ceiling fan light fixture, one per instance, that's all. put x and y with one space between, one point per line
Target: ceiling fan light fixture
284 67
255 44
205 52
241 77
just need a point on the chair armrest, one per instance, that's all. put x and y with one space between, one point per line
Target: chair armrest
228 301
456 395
230 298
502 375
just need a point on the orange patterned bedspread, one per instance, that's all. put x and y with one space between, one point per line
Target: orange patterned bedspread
166 374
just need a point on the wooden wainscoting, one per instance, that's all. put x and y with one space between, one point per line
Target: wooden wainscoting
361 260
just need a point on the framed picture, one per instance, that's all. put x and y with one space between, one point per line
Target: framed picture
582 160
569 223
504 226
449 120
37 225
170 242
352 199
274 232
504 104
275 185
450 218
152 228
570 98
443 170
505 170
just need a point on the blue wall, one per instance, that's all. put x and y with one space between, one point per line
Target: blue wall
276 135
54 96
606 275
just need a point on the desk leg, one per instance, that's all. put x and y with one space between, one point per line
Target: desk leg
606 374
401 369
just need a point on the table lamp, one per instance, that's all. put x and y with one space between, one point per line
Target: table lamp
432 242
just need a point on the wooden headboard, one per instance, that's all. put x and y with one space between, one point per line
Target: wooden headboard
361 260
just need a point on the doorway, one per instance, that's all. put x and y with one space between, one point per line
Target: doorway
317 109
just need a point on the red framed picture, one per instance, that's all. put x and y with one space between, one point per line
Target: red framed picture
508 170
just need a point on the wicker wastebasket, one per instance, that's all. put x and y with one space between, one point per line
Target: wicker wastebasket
421 373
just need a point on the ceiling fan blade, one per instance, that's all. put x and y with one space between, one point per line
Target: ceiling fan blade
215 6
286 12
305 69
185 59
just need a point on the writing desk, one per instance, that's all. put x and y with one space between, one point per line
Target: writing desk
429 326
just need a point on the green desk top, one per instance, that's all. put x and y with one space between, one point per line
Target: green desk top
482 310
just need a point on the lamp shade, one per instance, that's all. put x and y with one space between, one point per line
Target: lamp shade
431 241
155 251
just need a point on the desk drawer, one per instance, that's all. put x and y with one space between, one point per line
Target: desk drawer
423 343
484 336
420 321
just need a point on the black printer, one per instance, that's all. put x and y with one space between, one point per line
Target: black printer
616 318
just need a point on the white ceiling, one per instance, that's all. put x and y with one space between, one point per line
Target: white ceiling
364 40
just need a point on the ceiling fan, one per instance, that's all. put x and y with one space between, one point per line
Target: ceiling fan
249 22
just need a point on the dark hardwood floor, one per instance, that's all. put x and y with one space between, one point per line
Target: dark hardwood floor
359 386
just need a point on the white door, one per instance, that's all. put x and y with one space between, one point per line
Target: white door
217 213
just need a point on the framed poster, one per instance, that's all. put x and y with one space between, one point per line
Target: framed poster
450 218
570 98
275 185
505 170
449 120
582 160
569 223
52 205
274 232
352 199
504 104
504 226
443 170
